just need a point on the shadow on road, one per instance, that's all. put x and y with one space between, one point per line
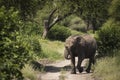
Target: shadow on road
56 69
49 68
52 68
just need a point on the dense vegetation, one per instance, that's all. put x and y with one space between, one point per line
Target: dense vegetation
109 38
24 24
109 45
108 48
13 53
15 48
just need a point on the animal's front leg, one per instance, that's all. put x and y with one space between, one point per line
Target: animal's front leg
79 65
73 65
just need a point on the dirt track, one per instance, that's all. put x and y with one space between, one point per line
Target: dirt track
61 71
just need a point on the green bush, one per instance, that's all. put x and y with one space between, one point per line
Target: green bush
109 38
31 28
59 33
35 46
16 47
13 51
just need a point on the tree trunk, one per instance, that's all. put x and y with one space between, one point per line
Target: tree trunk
87 25
46 29
45 33
94 24
47 24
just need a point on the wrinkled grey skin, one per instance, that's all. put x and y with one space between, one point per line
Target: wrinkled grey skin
83 46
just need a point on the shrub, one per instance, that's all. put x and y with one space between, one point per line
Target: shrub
16 47
13 51
31 28
35 46
59 33
109 38
29 73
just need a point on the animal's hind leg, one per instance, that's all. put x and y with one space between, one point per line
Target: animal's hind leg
93 61
89 66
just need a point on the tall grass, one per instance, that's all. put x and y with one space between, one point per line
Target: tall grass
29 73
108 68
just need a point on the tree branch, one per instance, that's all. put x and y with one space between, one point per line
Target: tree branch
57 19
50 16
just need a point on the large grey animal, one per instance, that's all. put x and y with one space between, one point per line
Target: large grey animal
81 46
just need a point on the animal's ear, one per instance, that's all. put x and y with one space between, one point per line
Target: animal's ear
78 38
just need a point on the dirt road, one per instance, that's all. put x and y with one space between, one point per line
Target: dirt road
61 71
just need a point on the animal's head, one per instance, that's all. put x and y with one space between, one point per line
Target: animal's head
70 43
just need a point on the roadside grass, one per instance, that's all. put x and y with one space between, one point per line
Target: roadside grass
108 68
52 50
29 73
62 75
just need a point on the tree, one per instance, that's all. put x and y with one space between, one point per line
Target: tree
27 8
94 12
57 14
114 10
91 11
48 25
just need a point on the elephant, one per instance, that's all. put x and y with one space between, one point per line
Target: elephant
81 46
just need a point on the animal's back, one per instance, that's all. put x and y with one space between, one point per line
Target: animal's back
89 38
91 45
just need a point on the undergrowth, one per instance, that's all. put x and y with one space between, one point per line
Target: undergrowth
108 68
29 72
